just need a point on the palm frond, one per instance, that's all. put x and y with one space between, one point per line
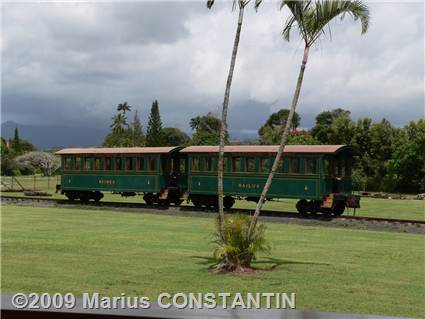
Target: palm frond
312 18
210 4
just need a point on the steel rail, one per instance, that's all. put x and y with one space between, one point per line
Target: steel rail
184 208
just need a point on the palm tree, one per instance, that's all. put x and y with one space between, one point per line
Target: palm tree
310 19
223 129
123 107
119 122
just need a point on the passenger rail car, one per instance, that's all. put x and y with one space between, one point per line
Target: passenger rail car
318 175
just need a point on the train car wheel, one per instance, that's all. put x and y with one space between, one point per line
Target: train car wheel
197 203
149 199
178 202
71 196
338 208
302 207
84 197
228 202
97 196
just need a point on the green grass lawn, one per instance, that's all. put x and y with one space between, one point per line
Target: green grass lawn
372 207
330 269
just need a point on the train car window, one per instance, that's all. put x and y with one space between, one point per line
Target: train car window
236 164
326 166
195 164
118 163
97 164
67 162
264 165
87 163
77 163
208 166
182 165
294 165
140 164
108 164
310 166
152 164
225 164
250 164
215 164
281 166
128 163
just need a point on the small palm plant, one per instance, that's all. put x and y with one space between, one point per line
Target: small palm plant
237 253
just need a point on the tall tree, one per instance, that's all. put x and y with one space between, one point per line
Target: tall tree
240 4
154 129
172 136
206 129
138 138
325 126
123 107
119 123
275 125
406 168
311 19
16 143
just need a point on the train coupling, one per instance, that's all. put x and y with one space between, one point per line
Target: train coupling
184 196
163 194
352 201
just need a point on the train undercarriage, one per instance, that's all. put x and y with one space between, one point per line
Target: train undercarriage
334 204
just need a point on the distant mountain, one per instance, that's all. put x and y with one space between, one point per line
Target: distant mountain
46 137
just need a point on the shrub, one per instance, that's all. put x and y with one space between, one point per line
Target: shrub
237 252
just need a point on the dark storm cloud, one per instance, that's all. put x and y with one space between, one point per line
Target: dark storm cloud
70 63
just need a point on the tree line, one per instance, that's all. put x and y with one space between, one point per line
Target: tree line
392 160
20 157
123 134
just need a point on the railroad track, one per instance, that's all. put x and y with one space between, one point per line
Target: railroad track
171 209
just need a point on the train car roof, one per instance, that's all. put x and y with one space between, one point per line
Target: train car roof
117 150
312 149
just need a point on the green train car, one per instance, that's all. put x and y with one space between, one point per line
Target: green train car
318 175
87 172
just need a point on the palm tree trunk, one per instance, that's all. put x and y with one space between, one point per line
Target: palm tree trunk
282 143
223 128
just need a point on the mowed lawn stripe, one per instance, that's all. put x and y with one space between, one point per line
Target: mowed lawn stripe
330 269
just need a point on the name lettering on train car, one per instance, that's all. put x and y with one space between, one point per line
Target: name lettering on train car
106 181
249 186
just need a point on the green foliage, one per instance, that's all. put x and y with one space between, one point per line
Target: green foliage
272 136
311 18
238 251
334 127
207 130
406 168
154 129
271 131
137 136
123 134
123 107
16 142
302 139
123 139
174 137
16 147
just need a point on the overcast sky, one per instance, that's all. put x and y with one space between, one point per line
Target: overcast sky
71 63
